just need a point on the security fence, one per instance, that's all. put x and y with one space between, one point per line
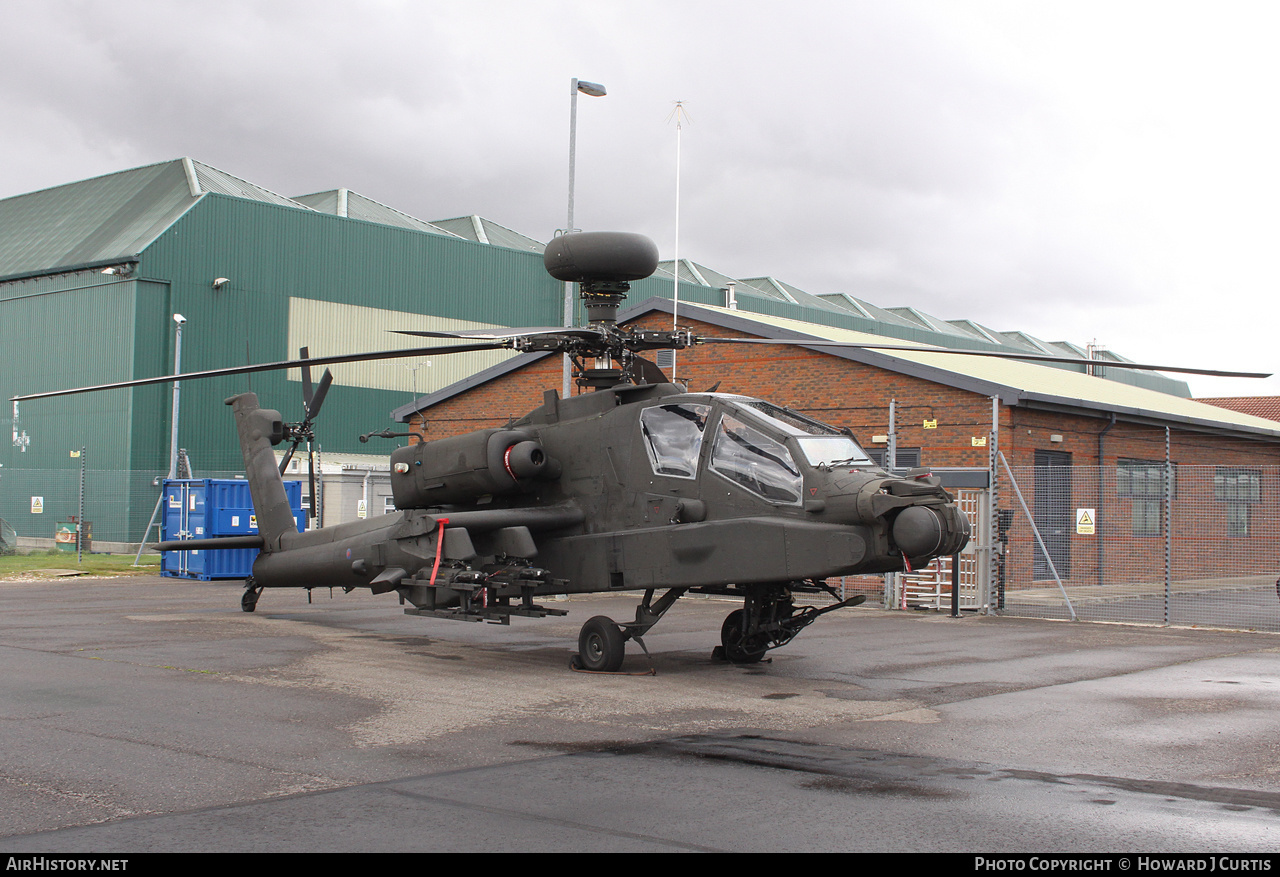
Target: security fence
1142 541
39 504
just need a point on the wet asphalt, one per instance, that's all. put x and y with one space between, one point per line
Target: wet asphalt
151 714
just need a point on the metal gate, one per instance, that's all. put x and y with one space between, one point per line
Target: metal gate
931 587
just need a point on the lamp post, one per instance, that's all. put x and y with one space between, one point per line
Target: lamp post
591 89
177 370
173 437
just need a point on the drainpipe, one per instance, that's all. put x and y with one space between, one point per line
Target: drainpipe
1098 514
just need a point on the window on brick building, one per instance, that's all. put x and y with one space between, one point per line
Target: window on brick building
906 458
1238 489
1142 482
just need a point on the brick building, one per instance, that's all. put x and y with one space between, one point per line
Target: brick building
944 405
1080 442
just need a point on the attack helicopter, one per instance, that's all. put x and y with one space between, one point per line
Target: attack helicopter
639 485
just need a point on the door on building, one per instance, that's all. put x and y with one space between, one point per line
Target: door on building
1053 511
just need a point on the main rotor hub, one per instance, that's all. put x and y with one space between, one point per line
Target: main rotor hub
601 300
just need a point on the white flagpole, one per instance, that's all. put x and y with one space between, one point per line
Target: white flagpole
680 114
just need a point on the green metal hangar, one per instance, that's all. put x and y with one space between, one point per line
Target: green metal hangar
91 274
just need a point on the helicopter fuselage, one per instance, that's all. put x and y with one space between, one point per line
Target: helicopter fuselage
629 488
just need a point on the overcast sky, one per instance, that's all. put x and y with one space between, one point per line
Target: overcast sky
1077 170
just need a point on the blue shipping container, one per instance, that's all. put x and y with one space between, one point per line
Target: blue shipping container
202 508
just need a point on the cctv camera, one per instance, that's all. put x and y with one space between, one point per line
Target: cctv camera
179 319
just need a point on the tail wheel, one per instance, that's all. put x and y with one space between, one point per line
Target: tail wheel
738 649
249 599
601 645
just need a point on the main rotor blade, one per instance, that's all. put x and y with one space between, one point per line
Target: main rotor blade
568 331
271 366
1032 357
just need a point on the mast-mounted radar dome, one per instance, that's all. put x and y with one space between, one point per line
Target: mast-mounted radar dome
600 257
603 263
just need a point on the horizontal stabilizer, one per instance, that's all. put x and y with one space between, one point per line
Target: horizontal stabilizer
251 541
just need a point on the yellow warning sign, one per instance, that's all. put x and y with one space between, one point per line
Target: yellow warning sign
1085 521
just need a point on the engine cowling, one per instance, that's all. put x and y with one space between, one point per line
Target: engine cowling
466 467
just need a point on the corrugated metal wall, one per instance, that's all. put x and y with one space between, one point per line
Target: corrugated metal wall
295 276
272 255
63 331
86 328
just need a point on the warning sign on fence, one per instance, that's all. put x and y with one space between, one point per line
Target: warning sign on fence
1085 521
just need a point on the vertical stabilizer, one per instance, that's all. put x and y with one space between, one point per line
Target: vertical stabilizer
260 429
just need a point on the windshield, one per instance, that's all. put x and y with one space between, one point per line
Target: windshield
790 422
751 459
822 445
830 450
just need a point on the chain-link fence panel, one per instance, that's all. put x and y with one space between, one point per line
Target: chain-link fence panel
39 504
1142 541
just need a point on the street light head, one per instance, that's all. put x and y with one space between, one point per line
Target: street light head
593 89
220 282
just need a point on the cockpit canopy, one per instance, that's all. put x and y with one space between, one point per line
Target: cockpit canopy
753 444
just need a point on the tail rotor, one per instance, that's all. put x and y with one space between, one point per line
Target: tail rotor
312 399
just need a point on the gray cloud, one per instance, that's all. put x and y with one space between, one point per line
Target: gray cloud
1074 170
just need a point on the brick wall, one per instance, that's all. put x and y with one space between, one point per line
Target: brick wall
851 394
845 393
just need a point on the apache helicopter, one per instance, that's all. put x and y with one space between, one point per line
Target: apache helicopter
638 486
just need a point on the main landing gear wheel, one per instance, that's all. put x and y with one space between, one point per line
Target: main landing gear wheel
601 646
249 599
736 650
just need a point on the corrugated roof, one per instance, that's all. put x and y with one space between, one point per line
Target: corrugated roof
862 307
766 287
213 180
978 330
934 324
801 297
774 288
918 325
769 287
1016 382
112 217
1024 341
692 272
760 287
486 231
353 205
